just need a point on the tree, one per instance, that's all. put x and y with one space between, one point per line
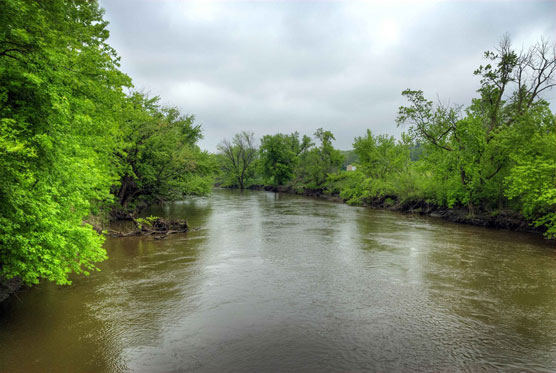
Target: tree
238 158
159 160
318 162
380 155
476 143
531 182
60 90
279 155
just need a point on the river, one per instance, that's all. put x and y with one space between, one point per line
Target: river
275 282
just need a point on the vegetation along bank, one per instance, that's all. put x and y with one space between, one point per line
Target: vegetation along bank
490 163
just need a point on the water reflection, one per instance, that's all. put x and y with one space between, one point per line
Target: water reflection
196 210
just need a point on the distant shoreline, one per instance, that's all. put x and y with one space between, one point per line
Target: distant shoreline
505 219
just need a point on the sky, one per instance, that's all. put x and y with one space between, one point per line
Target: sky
286 66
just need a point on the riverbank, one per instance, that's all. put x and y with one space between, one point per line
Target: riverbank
502 219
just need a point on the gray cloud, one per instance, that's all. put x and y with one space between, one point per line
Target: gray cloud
289 66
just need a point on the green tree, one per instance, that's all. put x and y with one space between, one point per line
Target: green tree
159 160
380 155
60 88
383 170
279 155
531 182
238 159
471 150
318 162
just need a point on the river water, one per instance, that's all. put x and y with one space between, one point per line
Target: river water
277 282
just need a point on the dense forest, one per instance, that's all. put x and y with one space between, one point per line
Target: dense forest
79 146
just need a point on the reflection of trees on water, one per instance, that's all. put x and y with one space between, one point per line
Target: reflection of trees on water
195 210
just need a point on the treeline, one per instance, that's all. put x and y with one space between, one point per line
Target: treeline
280 159
76 142
496 155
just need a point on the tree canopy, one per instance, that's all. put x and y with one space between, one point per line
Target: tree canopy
159 159
238 159
69 135
320 161
279 156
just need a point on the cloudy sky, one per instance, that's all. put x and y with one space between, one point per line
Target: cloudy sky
286 66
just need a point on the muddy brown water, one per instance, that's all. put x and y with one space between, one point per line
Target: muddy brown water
278 282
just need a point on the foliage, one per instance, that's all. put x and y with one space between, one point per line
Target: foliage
472 151
350 158
69 135
383 163
238 159
159 160
279 155
380 155
59 88
147 221
318 162
531 183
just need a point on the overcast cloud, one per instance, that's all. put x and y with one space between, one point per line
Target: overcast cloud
288 66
